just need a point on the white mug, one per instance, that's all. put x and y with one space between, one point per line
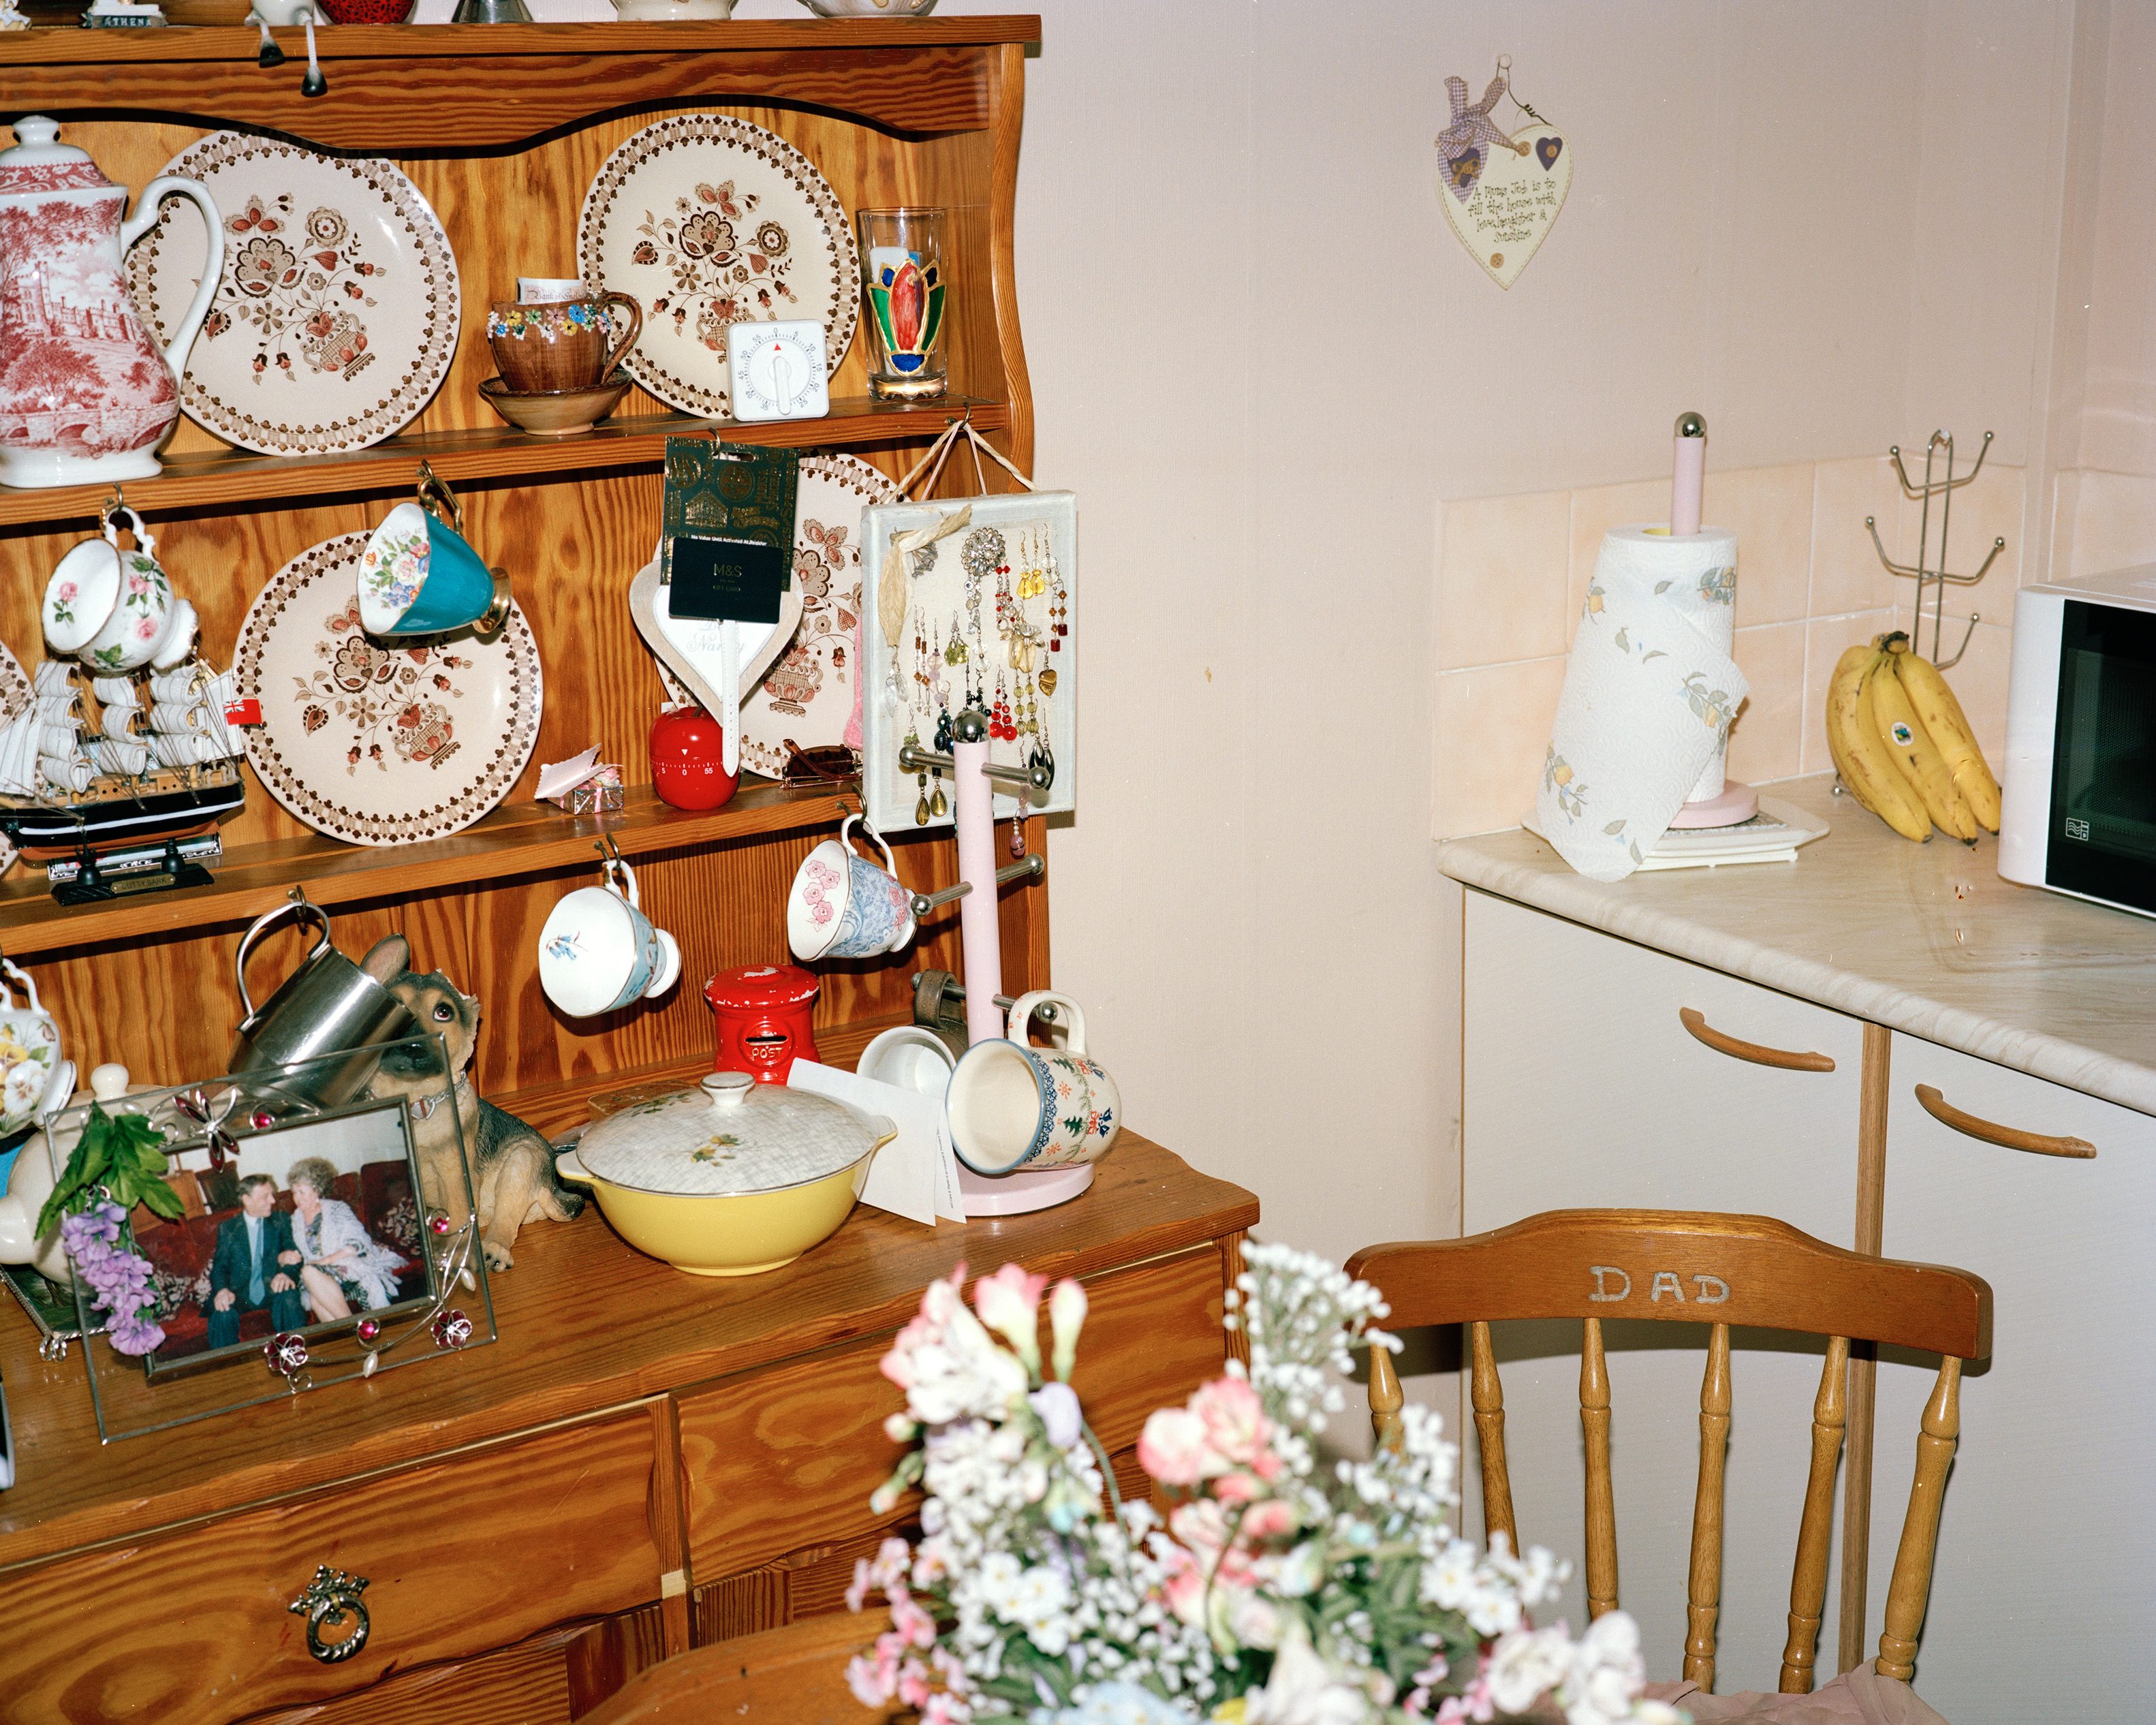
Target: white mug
599 951
115 608
912 1057
1012 1106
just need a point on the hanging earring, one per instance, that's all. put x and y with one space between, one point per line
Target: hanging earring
920 805
1018 828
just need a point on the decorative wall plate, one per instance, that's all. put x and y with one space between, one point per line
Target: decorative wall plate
377 745
337 315
808 697
706 220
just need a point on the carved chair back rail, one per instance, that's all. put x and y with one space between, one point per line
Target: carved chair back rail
1688 1267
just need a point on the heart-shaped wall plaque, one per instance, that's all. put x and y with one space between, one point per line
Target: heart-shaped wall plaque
1502 202
699 653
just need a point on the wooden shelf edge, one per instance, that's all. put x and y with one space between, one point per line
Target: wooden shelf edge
525 839
242 477
73 45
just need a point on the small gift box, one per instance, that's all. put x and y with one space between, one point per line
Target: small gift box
583 786
599 794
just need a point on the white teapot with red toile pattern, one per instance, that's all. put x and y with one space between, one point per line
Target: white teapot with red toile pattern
86 394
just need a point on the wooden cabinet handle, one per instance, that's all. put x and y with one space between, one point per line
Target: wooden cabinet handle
2010 1137
1758 1053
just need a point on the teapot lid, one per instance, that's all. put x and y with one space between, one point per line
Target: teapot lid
39 162
731 1135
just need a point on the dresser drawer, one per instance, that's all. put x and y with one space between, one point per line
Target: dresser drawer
781 1462
471 1553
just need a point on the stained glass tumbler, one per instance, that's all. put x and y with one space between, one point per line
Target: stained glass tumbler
903 281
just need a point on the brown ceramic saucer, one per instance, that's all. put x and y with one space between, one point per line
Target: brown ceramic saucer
556 412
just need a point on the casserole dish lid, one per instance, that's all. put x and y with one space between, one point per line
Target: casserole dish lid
728 1136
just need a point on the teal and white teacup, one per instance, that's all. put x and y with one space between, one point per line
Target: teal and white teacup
418 575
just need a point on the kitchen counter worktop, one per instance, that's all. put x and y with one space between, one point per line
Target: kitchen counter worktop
1921 938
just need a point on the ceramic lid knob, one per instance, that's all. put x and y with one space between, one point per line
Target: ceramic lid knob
108 1083
728 1090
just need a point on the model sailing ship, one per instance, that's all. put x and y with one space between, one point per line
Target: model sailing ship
101 767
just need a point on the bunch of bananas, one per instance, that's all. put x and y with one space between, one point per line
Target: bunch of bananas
1902 745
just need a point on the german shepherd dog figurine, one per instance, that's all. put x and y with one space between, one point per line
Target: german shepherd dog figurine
512 1166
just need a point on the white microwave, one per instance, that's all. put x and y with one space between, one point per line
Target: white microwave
2080 788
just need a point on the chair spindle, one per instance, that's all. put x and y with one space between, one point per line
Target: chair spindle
1488 1397
1387 1398
1911 1582
1704 1590
1601 1495
1816 1532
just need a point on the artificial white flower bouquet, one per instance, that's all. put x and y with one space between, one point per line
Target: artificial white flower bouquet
1280 1589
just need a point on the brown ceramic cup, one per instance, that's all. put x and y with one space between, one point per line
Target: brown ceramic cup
570 344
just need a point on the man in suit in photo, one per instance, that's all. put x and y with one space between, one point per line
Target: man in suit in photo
251 1269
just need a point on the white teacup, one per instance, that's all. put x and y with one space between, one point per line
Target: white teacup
548 289
30 1054
599 951
1012 1106
912 1057
842 905
115 608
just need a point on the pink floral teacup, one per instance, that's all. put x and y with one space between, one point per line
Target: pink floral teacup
115 609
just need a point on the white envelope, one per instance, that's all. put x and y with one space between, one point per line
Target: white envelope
915 1175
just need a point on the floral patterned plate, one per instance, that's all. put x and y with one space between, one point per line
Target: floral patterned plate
808 697
377 745
337 317
705 221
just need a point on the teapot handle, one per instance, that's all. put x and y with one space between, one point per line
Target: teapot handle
295 905
145 214
21 979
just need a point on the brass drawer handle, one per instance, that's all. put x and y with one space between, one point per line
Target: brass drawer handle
2009 1137
1758 1053
330 1597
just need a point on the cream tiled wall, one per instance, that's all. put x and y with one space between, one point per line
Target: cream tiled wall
1513 572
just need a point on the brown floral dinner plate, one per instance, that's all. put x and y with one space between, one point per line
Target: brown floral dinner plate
705 221
377 742
336 318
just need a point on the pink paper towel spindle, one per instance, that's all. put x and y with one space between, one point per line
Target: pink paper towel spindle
978 929
1688 478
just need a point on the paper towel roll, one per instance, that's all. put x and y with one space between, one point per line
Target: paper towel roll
1650 691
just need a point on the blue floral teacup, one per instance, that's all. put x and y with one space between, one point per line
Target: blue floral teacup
842 905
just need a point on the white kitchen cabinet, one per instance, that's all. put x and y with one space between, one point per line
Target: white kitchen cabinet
1582 1089
2043 1586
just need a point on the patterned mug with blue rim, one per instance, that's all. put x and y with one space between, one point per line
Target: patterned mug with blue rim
1013 1106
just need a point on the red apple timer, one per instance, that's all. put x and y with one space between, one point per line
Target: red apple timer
688 760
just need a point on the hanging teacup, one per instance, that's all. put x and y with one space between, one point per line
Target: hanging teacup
418 576
115 609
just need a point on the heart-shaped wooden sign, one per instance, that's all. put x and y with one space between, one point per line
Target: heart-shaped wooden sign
1501 201
698 653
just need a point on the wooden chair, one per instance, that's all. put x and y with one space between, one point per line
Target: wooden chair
1742 1270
